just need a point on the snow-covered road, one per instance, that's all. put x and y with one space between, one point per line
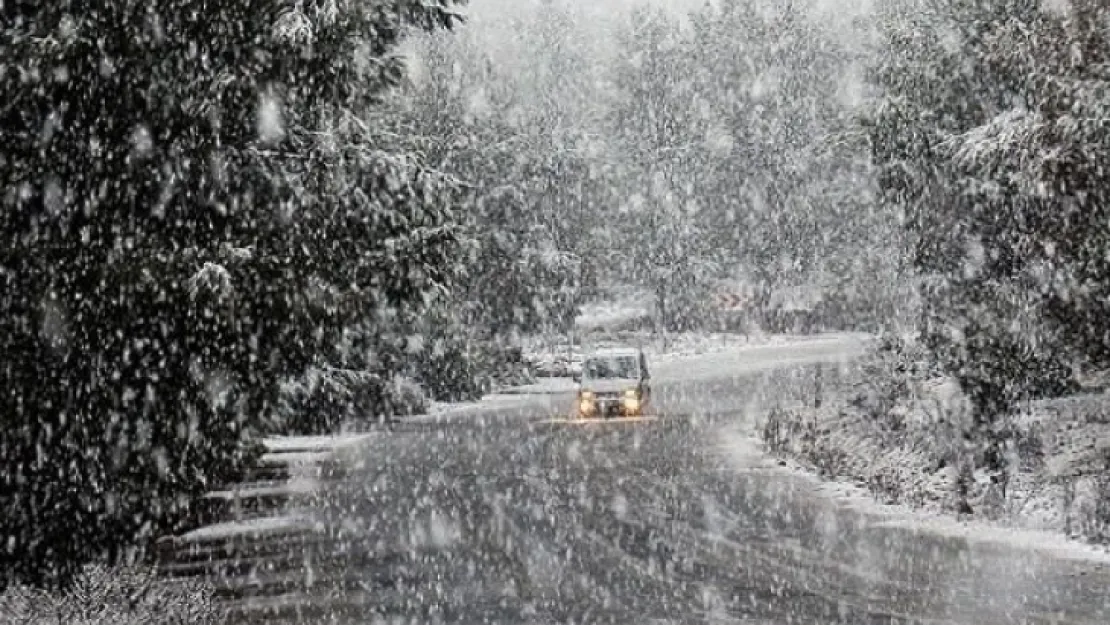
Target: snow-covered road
682 380
487 514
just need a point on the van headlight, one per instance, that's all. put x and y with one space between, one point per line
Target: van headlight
631 403
586 403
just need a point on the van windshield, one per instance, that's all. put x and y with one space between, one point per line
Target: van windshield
615 367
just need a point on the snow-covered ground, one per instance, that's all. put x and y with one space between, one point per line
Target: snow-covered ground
295 444
746 452
675 347
686 356
299 455
276 524
905 459
543 386
691 347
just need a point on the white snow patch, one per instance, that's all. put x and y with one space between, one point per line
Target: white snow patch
266 525
787 352
443 531
141 140
290 488
610 315
545 386
437 410
1062 8
494 398
574 452
271 126
619 506
687 346
53 195
296 458
287 444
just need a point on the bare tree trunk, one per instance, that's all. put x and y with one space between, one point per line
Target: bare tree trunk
661 305
817 387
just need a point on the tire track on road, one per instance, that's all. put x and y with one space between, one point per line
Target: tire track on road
712 558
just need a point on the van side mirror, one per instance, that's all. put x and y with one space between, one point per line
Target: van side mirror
577 377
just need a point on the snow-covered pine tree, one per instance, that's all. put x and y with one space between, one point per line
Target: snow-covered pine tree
503 132
656 232
186 216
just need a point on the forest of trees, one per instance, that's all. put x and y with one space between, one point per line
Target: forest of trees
719 145
990 135
223 221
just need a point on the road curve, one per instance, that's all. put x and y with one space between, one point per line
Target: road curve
490 515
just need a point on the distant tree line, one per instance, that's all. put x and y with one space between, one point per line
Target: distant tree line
683 152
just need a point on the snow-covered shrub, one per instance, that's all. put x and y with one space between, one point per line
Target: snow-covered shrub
1088 508
899 433
456 368
406 396
113 596
908 434
326 398
891 375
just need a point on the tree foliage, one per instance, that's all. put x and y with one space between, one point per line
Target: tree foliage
658 233
742 157
528 218
991 136
189 214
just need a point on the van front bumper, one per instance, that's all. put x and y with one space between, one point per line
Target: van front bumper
609 406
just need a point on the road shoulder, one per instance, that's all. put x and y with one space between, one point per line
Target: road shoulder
906 476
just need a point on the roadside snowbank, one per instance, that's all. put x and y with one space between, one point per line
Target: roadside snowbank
493 399
747 452
685 347
908 448
302 444
543 386
279 524
294 469
688 344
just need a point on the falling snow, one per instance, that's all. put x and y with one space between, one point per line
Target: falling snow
302 306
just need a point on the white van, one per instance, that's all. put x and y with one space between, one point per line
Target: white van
613 382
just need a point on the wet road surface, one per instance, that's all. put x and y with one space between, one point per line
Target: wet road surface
493 516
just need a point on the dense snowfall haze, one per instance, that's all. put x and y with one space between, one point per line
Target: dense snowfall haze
554 311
